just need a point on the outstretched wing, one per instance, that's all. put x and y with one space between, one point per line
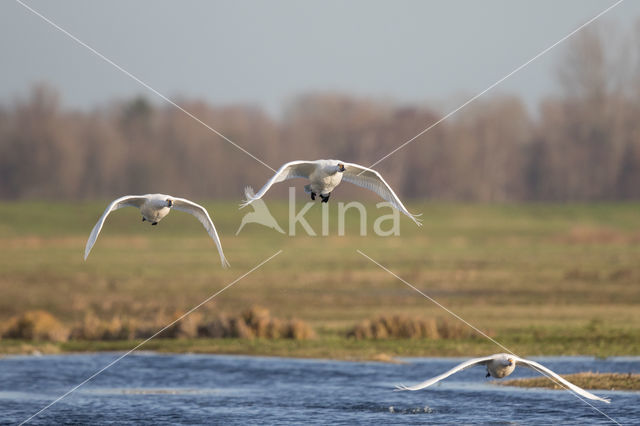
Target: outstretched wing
459 367
294 169
203 216
546 372
126 201
372 180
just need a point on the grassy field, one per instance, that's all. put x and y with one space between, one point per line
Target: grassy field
540 279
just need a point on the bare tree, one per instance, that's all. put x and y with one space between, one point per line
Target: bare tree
583 145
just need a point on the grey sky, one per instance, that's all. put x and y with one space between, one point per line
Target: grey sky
265 53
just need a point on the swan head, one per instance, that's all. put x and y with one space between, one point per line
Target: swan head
169 202
340 167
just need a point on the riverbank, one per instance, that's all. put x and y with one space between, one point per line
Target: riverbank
338 347
587 380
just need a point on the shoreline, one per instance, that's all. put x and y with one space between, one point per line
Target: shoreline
324 347
585 380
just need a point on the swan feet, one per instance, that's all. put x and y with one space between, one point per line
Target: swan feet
488 374
324 198
154 223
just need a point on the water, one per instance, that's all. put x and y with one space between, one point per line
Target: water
148 388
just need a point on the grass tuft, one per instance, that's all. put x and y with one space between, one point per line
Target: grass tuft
36 325
406 327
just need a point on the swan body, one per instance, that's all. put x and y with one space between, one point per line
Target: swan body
325 175
154 207
502 365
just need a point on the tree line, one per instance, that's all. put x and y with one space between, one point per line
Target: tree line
582 144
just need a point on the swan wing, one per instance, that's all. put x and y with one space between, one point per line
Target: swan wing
545 371
126 201
203 216
459 367
373 181
293 169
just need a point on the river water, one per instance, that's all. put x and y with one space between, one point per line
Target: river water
149 388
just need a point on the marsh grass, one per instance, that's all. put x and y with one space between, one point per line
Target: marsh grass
255 322
36 325
406 327
542 279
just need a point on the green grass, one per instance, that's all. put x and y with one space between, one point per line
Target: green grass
541 279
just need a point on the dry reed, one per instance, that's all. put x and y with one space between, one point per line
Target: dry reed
405 327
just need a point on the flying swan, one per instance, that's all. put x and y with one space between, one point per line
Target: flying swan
499 366
153 208
325 175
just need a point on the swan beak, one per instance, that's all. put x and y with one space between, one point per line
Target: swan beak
341 167
510 361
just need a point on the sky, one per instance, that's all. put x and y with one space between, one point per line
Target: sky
266 53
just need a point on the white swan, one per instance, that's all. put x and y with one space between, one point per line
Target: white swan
499 366
325 175
153 208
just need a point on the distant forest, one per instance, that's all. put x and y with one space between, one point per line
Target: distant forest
582 145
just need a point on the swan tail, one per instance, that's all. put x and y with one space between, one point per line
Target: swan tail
250 197
415 218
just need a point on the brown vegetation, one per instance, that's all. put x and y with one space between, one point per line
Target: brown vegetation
588 380
35 325
405 327
255 322
92 328
583 146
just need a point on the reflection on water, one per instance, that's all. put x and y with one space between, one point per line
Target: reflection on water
167 389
